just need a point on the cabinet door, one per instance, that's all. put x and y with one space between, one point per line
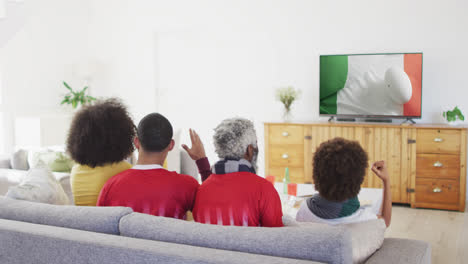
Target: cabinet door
408 165
390 144
316 135
313 137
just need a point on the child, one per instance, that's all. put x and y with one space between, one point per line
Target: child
339 169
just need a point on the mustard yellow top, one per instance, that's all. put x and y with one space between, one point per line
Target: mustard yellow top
87 182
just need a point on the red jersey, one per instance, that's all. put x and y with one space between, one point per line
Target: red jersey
151 191
240 199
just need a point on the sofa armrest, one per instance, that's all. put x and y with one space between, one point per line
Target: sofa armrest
5 162
397 250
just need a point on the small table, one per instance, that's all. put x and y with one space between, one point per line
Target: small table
369 197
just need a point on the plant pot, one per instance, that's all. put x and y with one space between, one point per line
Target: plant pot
456 123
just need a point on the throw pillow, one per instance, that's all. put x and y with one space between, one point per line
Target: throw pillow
19 160
61 163
57 161
39 185
39 156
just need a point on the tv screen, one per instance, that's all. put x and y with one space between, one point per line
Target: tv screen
371 85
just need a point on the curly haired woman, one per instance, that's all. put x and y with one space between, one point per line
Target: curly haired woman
100 138
339 169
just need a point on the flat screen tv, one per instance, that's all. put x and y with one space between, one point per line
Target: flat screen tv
371 85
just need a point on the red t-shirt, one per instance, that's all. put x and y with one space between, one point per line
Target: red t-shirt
240 199
154 191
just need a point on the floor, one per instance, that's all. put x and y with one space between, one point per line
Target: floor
446 231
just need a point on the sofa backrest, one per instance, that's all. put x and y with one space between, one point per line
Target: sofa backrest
31 243
315 242
96 219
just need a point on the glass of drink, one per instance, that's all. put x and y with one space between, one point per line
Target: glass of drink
292 189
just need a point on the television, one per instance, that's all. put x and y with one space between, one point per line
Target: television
371 85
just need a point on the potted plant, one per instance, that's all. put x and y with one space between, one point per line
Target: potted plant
454 117
287 96
76 98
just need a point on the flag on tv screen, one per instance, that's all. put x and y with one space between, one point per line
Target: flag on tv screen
388 84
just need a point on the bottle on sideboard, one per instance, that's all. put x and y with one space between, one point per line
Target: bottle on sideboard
286 180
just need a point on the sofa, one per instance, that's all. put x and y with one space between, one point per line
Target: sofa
43 233
14 167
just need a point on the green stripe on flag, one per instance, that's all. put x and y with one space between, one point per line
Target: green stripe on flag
333 75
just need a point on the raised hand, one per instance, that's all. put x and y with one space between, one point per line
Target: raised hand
380 169
197 151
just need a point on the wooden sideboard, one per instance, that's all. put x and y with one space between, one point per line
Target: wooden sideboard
427 163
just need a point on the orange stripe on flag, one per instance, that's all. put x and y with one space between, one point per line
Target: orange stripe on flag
413 67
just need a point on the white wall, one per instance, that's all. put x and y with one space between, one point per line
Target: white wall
39 57
123 47
201 61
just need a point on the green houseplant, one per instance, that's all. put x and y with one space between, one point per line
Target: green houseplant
454 115
75 98
287 96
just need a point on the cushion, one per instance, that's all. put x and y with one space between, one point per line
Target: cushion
57 161
39 185
8 178
19 160
316 242
367 237
5 161
61 163
95 219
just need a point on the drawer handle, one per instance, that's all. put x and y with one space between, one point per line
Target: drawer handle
285 156
285 134
438 164
437 190
438 139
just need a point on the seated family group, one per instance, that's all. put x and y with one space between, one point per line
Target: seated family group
103 135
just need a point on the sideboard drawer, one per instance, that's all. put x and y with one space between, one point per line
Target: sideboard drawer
295 174
286 134
438 166
437 191
287 156
438 141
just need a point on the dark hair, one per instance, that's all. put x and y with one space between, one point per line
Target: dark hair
339 169
154 132
101 134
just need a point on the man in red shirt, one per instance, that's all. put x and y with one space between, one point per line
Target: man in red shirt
148 187
234 194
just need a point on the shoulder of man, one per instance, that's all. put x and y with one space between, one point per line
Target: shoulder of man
186 178
119 176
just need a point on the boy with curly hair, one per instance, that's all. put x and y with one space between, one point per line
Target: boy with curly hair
339 169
